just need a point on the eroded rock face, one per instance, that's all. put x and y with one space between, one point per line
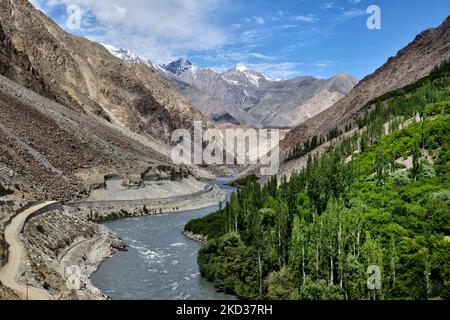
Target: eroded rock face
47 147
16 65
417 60
57 240
75 72
4 191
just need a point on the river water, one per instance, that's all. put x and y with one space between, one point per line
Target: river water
161 263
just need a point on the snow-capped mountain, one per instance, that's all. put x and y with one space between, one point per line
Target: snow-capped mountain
252 98
127 55
241 95
241 75
179 66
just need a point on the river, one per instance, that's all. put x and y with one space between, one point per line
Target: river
161 263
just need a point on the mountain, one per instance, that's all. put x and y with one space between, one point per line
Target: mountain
76 72
252 98
52 151
244 96
415 61
178 67
71 113
128 56
242 76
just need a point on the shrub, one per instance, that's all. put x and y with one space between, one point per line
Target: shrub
320 290
427 172
401 179
440 196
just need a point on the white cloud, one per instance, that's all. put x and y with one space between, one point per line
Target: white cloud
323 64
159 29
259 20
332 5
234 56
306 18
353 13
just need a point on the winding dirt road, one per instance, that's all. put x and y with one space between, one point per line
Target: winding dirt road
10 272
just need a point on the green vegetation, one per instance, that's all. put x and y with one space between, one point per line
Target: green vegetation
373 199
244 181
308 146
211 224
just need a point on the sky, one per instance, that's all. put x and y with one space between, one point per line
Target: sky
282 38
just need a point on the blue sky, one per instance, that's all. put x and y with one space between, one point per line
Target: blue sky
282 39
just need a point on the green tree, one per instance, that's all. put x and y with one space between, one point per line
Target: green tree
282 225
381 168
320 290
234 211
417 165
298 250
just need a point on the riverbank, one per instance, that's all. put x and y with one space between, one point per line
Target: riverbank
195 237
66 245
62 251
102 211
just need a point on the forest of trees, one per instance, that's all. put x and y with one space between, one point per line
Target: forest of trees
374 199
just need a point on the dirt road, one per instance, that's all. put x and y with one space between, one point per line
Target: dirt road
10 272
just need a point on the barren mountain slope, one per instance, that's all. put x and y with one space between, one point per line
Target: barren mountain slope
47 148
412 63
83 75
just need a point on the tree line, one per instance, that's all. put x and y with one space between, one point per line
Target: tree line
315 235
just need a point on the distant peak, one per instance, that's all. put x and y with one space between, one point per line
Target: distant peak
241 67
345 76
127 56
183 61
179 66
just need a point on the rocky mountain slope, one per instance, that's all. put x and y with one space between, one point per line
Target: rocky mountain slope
50 150
415 61
72 113
83 75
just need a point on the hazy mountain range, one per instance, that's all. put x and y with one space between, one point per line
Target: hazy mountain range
244 96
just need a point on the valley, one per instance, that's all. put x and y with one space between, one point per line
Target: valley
371 198
326 177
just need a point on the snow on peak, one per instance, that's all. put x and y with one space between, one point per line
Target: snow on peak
179 66
241 67
128 56
241 75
